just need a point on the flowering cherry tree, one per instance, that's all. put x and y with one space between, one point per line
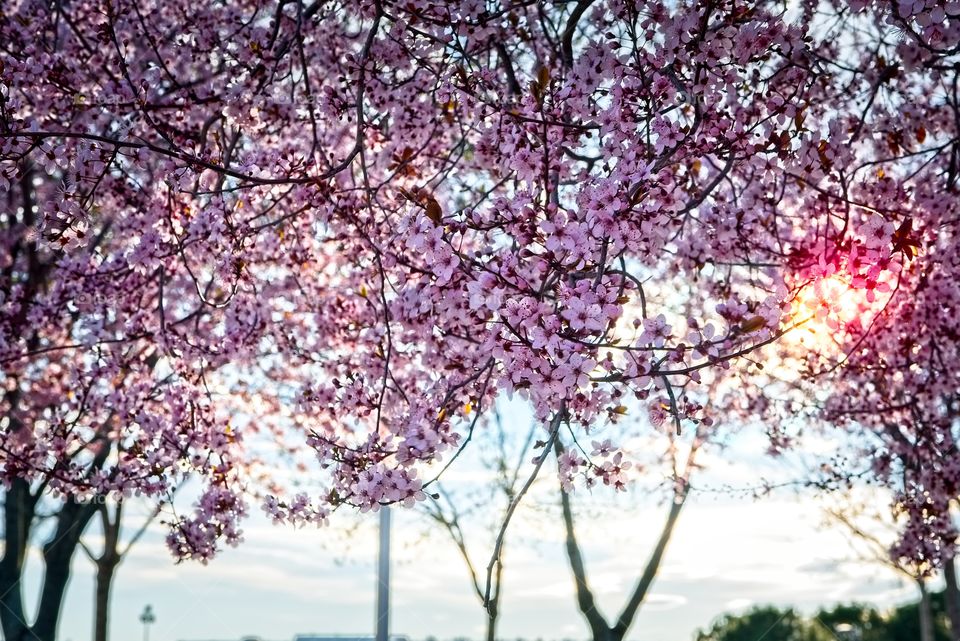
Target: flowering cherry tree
885 368
363 222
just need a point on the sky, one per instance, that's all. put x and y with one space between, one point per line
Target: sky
727 553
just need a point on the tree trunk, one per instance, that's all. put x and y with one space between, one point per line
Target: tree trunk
107 566
491 627
926 613
493 612
17 516
57 555
599 628
105 572
653 565
952 597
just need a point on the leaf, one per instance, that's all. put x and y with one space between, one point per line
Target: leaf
921 134
543 77
534 87
905 240
893 142
424 199
822 153
433 210
753 324
449 110
402 161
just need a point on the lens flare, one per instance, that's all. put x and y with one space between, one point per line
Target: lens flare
828 308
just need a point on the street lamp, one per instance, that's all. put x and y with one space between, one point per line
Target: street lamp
383 578
146 618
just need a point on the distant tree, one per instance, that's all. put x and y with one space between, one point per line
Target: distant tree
846 622
901 623
860 621
768 623
451 510
602 629
860 523
672 466
112 553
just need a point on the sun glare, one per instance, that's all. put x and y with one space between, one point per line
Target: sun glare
825 309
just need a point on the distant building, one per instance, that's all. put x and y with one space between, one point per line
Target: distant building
345 637
333 637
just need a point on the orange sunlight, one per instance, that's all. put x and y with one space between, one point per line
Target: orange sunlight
828 304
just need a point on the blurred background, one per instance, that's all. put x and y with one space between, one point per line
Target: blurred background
752 543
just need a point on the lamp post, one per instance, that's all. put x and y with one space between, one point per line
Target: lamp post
146 618
383 577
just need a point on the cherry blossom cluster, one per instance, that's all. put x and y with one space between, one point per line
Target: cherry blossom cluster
235 232
883 283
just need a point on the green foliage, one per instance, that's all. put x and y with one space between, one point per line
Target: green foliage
856 621
846 622
902 623
768 623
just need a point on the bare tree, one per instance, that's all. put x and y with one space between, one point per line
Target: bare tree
451 513
109 559
601 628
